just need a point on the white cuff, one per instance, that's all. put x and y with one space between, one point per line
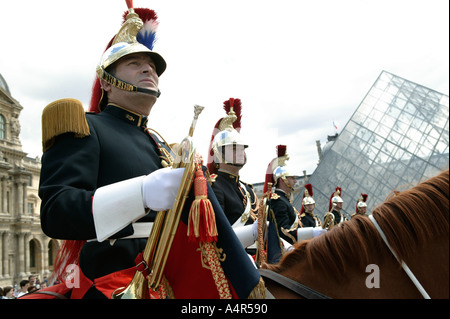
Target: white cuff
245 235
309 232
117 205
304 233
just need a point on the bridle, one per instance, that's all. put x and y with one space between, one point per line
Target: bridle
401 262
292 285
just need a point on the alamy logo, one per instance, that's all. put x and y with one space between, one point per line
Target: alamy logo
373 280
73 276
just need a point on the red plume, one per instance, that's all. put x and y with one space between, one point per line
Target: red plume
144 14
281 150
210 165
269 178
237 108
309 188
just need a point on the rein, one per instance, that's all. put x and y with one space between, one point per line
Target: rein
404 266
292 285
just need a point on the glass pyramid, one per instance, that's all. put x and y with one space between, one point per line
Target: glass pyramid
397 137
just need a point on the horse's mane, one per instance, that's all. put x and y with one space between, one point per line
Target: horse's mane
408 219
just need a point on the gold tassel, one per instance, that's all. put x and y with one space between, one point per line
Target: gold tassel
202 220
259 292
63 116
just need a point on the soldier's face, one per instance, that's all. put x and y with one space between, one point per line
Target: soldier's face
234 154
309 208
139 70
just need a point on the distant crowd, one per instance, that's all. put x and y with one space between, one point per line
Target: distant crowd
25 286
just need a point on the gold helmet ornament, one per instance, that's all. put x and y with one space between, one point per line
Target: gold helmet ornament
278 168
137 35
226 138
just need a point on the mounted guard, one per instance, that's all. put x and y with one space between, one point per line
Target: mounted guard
334 216
122 200
225 159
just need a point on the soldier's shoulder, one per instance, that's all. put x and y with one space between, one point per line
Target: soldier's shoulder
60 117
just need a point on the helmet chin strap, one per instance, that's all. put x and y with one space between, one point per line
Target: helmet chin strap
122 85
148 91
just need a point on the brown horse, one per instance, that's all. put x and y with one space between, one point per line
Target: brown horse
352 261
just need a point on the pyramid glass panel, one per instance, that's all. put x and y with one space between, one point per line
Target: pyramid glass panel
397 137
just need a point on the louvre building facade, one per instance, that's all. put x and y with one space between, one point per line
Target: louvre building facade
397 137
24 249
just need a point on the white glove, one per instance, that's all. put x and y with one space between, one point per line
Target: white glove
160 188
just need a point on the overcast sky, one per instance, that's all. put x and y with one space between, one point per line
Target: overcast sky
297 66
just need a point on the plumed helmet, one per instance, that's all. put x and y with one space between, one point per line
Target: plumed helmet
335 198
226 132
307 197
137 35
361 202
278 168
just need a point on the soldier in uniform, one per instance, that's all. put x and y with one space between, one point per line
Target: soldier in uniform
334 216
283 220
226 158
103 178
361 205
307 217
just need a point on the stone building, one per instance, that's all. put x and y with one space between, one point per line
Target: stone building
24 249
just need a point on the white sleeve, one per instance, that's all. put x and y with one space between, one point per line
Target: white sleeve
304 233
117 205
245 235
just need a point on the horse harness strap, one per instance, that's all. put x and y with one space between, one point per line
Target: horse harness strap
294 286
404 266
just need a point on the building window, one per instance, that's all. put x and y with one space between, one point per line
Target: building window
30 208
32 254
2 127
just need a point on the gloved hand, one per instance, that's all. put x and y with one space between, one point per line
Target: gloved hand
160 188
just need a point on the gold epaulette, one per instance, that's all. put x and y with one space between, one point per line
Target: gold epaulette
63 116
274 196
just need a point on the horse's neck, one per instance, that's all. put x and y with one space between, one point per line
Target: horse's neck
383 277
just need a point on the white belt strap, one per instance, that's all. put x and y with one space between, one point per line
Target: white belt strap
246 214
404 266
